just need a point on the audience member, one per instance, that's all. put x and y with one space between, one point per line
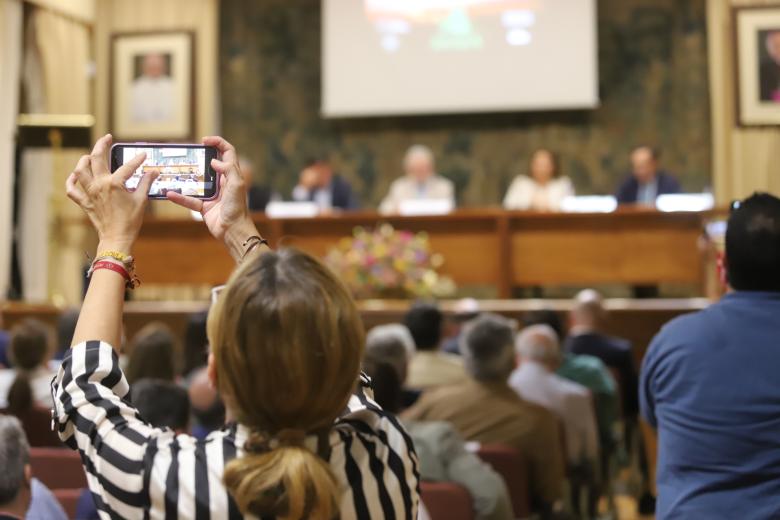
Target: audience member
538 356
196 343
16 475
420 182
318 183
440 450
287 342
257 196
586 322
152 354
21 495
646 181
465 309
208 410
27 385
162 404
709 383
544 190
535 380
486 409
587 371
392 344
430 366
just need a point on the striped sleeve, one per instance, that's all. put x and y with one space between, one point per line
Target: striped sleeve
377 460
92 417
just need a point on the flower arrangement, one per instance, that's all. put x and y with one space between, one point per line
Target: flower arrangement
385 263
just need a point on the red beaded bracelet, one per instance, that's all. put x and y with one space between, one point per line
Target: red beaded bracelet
113 266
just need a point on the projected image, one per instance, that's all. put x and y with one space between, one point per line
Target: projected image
182 170
452 25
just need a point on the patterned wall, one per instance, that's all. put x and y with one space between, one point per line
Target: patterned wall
653 86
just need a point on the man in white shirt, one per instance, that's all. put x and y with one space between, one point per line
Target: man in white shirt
538 355
420 182
535 380
152 92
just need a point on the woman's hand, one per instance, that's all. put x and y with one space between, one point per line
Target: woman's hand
227 216
115 212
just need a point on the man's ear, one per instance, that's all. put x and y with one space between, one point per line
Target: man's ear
28 475
723 269
211 371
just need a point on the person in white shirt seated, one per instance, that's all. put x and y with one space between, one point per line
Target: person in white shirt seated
544 189
420 182
28 384
538 355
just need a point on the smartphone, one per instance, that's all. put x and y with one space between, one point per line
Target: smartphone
183 168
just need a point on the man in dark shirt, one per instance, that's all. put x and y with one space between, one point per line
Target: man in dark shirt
646 181
586 321
709 383
319 184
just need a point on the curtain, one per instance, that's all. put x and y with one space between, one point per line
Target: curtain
52 233
744 159
10 64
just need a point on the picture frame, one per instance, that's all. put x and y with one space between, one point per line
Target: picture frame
756 42
152 86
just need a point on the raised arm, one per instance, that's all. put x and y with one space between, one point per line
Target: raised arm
227 216
117 215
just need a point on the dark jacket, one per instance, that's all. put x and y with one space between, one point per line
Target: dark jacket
342 196
617 354
259 197
628 192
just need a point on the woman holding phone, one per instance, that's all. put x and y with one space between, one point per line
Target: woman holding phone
286 341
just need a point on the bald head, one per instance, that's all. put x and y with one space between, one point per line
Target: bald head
588 311
419 162
538 343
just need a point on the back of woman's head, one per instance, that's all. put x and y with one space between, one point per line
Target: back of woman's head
30 342
287 342
152 354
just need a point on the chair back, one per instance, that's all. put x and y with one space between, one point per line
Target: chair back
512 466
58 468
447 501
37 426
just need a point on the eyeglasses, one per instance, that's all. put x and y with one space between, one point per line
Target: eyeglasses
215 292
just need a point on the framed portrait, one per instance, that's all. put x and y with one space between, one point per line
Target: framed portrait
152 91
757 52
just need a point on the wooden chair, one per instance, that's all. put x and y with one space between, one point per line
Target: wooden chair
58 468
68 499
37 426
447 501
512 466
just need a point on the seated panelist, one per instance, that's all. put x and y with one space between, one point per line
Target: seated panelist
646 181
318 183
544 189
420 181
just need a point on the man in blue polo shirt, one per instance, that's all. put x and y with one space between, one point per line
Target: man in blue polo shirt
710 384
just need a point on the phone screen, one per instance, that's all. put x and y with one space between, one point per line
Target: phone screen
185 169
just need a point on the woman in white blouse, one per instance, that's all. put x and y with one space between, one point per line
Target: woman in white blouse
544 190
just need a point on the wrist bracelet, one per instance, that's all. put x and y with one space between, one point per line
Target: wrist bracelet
253 242
131 281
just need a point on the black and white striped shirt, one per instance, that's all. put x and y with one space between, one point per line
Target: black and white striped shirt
137 471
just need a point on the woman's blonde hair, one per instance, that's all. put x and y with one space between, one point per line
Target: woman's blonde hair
287 342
